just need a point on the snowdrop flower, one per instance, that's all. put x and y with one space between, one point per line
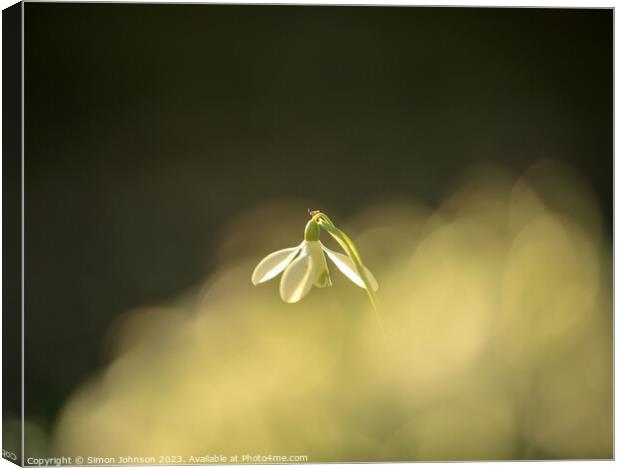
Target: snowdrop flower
305 266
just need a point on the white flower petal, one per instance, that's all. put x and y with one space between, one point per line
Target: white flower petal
347 267
298 278
273 264
322 272
323 279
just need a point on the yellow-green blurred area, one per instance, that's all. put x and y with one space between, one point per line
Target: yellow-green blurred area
496 306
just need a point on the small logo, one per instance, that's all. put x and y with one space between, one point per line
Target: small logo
9 455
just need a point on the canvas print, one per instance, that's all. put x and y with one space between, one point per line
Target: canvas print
313 234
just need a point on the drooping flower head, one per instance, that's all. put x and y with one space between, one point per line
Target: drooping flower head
305 266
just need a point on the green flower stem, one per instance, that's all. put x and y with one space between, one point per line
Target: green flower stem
349 247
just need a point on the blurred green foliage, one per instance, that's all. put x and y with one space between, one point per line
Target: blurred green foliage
498 344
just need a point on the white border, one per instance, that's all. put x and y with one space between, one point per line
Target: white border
479 3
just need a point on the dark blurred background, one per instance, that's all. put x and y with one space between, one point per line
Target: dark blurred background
148 127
